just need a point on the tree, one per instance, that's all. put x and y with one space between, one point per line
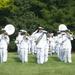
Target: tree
29 14
4 4
5 9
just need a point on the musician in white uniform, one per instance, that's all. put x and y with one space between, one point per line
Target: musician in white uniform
4 41
46 50
58 44
33 44
40 39
23 40
17 42
65 44
52 43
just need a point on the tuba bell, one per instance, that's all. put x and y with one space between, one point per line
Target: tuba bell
10 29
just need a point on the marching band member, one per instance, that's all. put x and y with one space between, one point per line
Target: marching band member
18 44
29 45
23 46
52 43
33 44
58 45
46 50
40 39
65 44
16 41
4 41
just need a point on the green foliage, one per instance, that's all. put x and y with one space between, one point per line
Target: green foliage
29 14
4 4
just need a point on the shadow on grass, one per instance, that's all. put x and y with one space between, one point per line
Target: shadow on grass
16 59
55 59
32 59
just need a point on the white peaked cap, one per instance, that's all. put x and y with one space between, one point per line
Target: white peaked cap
40 28
23 31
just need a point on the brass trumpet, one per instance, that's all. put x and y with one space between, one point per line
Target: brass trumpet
70 34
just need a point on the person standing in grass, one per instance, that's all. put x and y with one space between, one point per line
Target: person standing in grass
65 44
33 44
17 40
40 40
4 41
52 43
46 50
24 42
18 44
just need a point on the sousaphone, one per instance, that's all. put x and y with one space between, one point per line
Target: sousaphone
10 29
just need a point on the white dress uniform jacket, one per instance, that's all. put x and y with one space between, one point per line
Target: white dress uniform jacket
40 47
4 41
23 48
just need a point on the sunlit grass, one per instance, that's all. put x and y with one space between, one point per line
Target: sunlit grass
53 67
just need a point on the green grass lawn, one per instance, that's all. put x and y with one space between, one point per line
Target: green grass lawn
53 67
